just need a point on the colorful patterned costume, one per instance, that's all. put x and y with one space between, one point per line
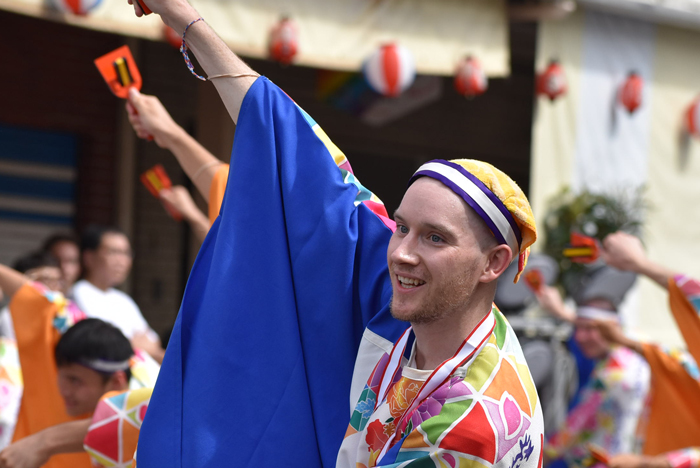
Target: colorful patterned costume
486 414
112 436
289 294
609 410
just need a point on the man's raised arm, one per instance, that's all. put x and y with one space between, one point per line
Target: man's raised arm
212 53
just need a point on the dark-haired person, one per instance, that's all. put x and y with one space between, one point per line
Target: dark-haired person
107 259
67 251
94 361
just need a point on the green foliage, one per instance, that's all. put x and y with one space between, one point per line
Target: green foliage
593 214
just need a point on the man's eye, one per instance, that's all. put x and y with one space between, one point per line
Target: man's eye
435 238
402 229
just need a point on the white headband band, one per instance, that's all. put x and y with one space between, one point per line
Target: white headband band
595 313
478 196
108 367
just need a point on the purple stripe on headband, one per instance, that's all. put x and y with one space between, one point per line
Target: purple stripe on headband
496 201
470 201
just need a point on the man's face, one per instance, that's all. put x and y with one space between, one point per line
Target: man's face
49 276
68 256
589 339
111 262
436 255
81 388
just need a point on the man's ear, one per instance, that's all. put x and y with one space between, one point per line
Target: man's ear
118 381
498 259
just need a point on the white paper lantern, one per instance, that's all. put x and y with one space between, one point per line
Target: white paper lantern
76 7
390 70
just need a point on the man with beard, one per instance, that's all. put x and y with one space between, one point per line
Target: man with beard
292 289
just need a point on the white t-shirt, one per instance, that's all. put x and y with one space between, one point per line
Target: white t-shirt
112 306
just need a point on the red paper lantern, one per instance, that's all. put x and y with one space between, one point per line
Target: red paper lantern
284 41
552 82
171 36
470 79
390 70
692 118
631 92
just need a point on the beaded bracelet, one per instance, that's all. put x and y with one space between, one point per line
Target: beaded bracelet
183 50
188 62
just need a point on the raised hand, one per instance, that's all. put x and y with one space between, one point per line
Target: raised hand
623 251
150 120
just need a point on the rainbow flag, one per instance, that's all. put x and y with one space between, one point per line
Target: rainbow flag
258 369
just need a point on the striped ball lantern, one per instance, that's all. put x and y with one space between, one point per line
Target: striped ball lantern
76 7
692 119
552 82
470 78
171 36
284 41
631 92
390 70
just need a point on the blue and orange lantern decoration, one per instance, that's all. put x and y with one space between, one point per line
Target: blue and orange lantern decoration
390 70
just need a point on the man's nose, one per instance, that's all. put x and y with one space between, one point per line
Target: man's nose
405 252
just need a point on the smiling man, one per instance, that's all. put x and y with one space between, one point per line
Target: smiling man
289 306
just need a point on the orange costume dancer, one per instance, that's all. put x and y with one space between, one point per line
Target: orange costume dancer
40 316
674 414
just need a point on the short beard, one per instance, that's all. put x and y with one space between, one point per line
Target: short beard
443 306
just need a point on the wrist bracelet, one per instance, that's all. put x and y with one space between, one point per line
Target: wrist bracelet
183 50
190 67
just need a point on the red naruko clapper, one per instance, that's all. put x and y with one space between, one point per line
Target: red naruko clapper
156 179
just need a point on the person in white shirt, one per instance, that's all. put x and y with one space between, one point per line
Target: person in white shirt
107 260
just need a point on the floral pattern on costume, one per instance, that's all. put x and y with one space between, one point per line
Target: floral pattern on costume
609 411
490 402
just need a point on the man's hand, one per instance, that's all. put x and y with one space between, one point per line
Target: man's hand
551 301
175 13
150 119
25 453
624 252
